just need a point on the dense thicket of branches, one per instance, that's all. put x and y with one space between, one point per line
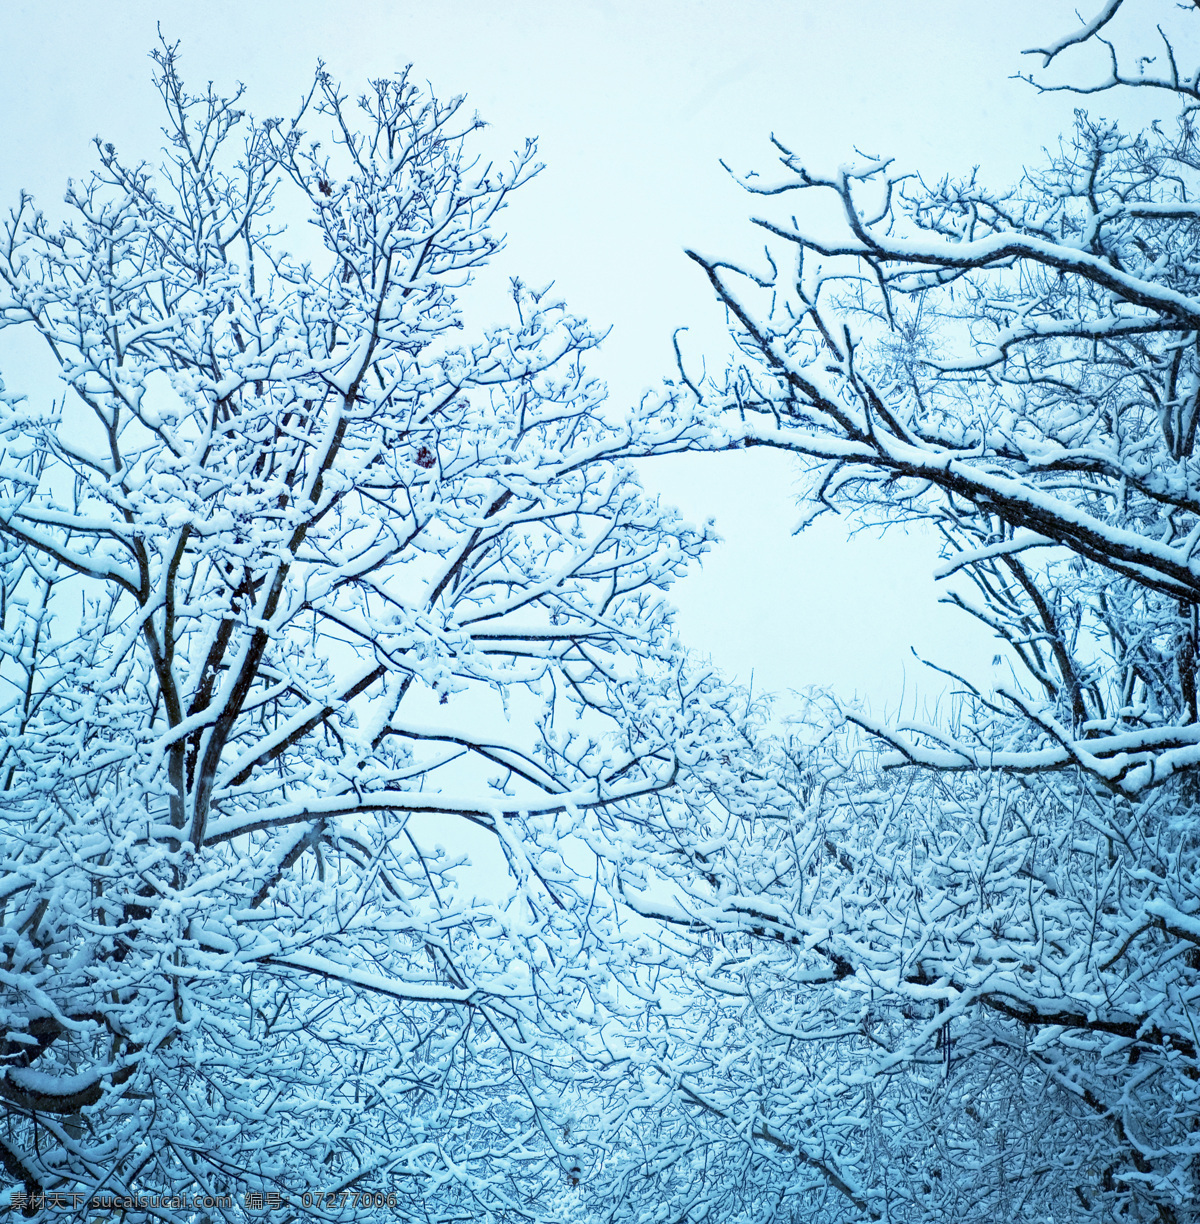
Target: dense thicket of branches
926 997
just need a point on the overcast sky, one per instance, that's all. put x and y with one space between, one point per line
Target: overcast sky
634 102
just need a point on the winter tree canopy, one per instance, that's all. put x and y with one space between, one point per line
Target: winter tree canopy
366 827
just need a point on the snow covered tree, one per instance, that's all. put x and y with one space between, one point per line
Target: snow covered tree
961 981
308 597
1018 368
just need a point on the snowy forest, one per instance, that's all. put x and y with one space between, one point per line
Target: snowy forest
372 840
